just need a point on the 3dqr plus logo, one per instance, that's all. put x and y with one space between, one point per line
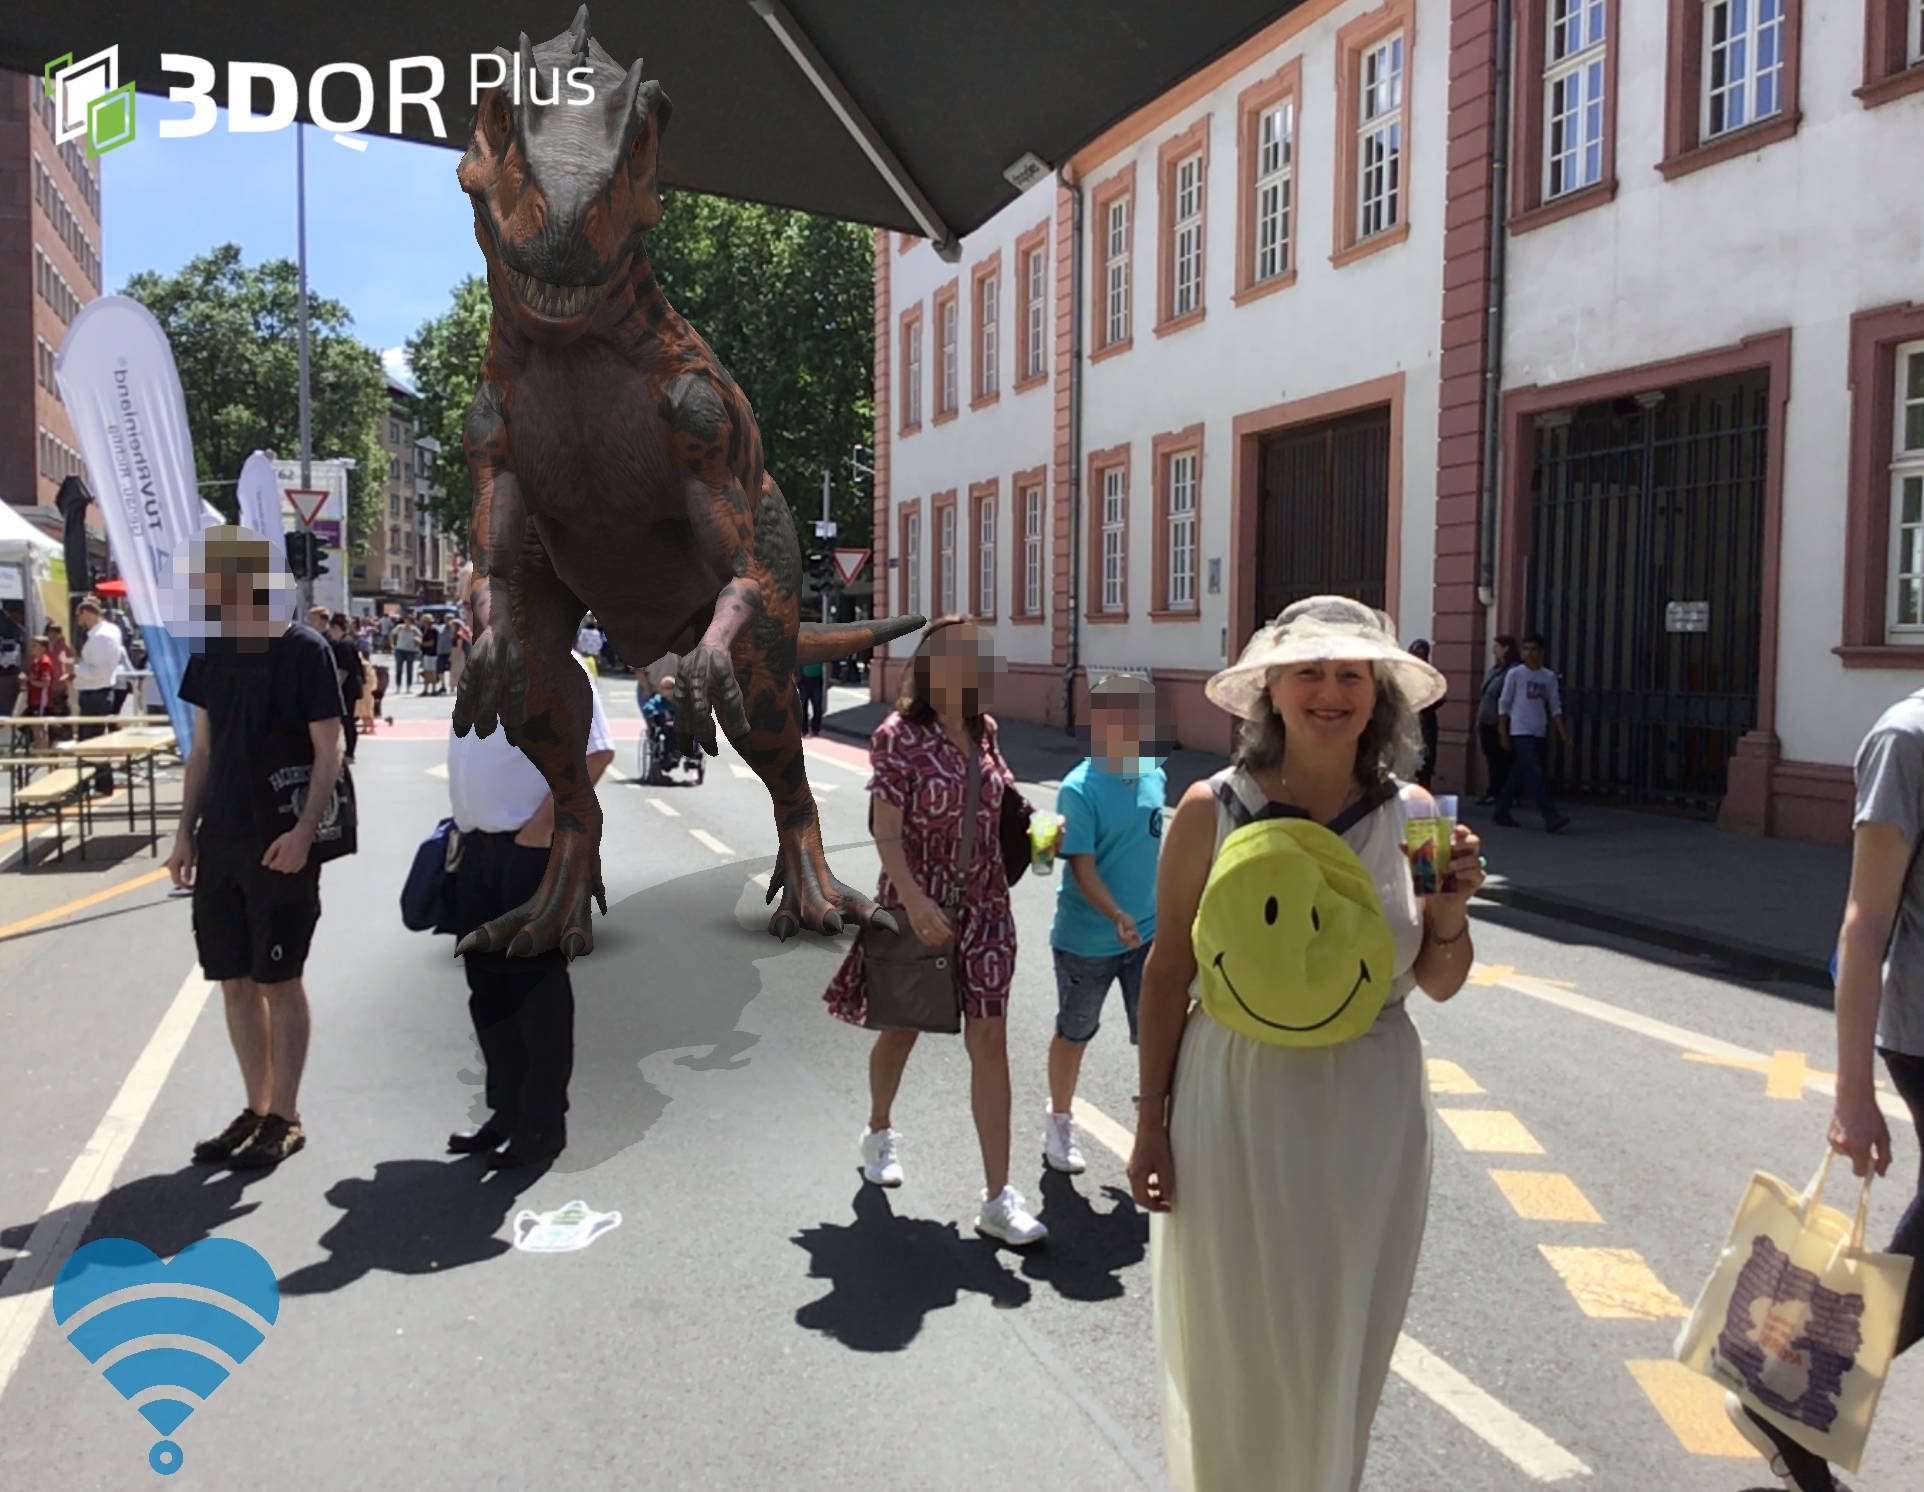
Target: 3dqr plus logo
166 1335
89 99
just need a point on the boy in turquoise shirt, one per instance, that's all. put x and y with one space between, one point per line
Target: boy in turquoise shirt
1111 804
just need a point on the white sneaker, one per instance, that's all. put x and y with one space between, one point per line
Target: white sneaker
1059 1147
1008 1219
879 1164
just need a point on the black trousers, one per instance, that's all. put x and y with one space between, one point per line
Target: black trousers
1500 760
812 692
523 1008
348 733
98 702
1907 1074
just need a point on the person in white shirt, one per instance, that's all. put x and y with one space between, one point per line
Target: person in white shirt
95 670
523 1008
1530 701
589 640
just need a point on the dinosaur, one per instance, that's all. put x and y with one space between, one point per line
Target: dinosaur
618 467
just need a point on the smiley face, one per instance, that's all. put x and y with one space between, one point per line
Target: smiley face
1290 939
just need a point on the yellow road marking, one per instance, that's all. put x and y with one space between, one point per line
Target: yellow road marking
1491 1131
664 808
1786 1078
81 904
1492 974
1099 1126
1614 1284
1786 1074
713 843
1447 1077
1545 1197
1692 1405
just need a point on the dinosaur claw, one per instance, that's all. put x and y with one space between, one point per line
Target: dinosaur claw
575 943
776 882
882 919
522 946
474 942
601 898
784 926
831 922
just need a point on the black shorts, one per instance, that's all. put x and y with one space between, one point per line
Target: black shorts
251 922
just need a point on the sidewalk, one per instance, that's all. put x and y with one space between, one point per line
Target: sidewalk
1768 908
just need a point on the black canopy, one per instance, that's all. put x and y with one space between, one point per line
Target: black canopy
900 113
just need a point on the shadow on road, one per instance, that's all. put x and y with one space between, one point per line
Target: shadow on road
165 1212
1087 1250
414 1217
889 1272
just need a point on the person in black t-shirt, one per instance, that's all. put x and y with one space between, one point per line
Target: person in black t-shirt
347 665
265 696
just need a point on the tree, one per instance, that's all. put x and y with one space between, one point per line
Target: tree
785 299
235 334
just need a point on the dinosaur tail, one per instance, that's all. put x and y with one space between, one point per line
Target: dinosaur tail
824 642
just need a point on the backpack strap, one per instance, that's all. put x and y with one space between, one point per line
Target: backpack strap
1373 798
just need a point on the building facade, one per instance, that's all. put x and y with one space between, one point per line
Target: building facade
50 266
1500 338
404 558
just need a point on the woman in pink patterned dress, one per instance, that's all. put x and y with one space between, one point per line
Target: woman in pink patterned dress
918 755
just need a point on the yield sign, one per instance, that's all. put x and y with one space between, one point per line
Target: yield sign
849 562
306 503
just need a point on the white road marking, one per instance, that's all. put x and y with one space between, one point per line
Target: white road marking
1501 1428
741 769
713 843
761 879
835 761
28 1288
615 774
439 769
1677 1036
1505 1431
664 808
827 787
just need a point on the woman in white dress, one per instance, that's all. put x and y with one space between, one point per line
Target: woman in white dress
1290 1184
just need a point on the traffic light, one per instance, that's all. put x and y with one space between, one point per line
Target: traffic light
299 553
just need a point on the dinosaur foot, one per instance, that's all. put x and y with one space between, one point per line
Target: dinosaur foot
557 915
831 906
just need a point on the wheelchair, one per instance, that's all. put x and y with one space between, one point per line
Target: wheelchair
658 756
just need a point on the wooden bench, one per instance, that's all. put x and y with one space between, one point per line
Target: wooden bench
52 795
59 784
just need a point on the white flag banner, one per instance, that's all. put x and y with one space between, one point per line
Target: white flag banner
123 395
262 509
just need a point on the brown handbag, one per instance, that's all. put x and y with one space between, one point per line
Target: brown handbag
910 985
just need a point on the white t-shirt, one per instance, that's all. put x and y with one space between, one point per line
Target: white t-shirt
99 658
588 641
496 789
1530 698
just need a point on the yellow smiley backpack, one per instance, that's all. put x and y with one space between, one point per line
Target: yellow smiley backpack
1290 940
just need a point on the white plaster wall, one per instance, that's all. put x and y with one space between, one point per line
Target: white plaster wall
1014 433
1803 233
1331 329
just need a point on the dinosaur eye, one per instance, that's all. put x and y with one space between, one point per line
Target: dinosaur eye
1315 922
634 150
1269 910
500 117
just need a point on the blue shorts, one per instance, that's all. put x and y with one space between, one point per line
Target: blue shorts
1082 984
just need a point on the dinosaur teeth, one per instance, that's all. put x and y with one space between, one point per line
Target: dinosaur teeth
560 301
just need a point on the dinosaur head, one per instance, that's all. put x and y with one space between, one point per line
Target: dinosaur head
564 178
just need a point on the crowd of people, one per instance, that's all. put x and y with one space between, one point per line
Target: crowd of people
1288 1176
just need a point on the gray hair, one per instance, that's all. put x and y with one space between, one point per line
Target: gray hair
1391 744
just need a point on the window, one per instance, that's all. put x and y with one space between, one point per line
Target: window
912 562
1032 550
393 507
982 508
1037 308
946 349
1275 183
1743 63
945 599
1188 267
393 467
1182 531
986 344
1914 52
1573 89
1116 272
1379 189
1907 494
393 433
912 369
1114 525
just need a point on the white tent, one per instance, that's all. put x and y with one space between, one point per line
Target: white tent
25 553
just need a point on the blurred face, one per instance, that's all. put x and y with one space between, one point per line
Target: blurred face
957 672
236 602
1421 650
1116 732
88 617
1325 703
1533 655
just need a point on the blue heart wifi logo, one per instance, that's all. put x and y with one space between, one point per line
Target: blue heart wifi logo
166 1335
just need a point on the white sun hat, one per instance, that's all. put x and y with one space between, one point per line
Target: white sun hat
1323 629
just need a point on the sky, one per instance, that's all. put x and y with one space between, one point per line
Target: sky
389 233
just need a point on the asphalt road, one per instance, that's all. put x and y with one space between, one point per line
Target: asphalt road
759 1317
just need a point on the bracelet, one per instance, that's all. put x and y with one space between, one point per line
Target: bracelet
1447 942
1142 1098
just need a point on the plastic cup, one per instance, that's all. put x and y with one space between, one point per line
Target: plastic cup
1428 843
1045 834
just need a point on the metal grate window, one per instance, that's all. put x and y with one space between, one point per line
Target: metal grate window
912 564
945 401
1038 304
1573 97
1182 531
1275 187
1379 155
1032 552
1114 521
1186 288
913 395
985 576
1743 63
1117 262
1907 496
945 561
991 318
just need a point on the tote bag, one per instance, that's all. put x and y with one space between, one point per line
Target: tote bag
1799 1318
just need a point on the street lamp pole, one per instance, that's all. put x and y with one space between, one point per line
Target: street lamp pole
307 453
827 482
